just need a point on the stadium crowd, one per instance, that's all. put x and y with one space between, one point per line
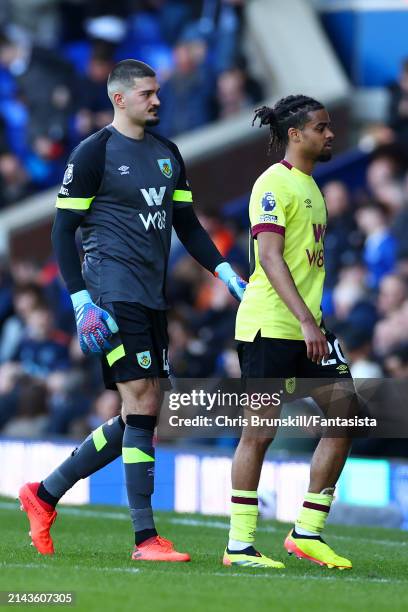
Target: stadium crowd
70 47
47 386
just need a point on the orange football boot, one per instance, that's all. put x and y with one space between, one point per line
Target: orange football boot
158 549
40 519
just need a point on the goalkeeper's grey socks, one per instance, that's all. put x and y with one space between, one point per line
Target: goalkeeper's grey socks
138 460
101 447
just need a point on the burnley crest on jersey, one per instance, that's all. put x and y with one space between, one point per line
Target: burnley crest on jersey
68 175
166 167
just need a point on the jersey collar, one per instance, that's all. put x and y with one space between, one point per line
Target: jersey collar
289 166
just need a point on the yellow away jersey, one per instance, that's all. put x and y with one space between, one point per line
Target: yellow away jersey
286 201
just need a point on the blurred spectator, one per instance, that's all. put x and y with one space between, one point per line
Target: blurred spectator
106 406
10 375
95 108
221 23
43 350
47 86
391 330
228 364
380 247
392 294
30 419
186 97
231 95
225 236
341 239
40 19
26 298
349 290
188 354
235 92
396 362
4 144
357 346
398 108
174 16
57 296
15 184
387 166
67 402
399 226
6 296
24 271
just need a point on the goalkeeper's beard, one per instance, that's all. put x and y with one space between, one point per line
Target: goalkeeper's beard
152 122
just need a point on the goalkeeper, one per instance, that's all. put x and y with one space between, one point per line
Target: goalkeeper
126 188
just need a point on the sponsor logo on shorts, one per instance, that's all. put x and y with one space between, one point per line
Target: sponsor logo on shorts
68 174
144 359
165 167
268 201
123 170
290 385
268 218
342 369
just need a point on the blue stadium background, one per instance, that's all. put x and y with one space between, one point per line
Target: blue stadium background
54 60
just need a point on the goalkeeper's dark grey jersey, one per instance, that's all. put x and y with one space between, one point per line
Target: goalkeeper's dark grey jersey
126 190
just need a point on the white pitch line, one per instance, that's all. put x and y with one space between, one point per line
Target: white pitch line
119 516
202 523
311 577
226 574
129 570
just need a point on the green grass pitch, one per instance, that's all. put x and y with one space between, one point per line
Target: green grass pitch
92 559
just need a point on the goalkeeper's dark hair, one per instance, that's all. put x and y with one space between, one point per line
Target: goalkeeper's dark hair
125 73
288 112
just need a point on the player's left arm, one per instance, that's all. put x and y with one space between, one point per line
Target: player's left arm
81 182
196 240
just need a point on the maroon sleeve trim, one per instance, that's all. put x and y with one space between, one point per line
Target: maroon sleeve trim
267 227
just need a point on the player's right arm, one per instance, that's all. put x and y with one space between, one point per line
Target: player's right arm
81 182
270 249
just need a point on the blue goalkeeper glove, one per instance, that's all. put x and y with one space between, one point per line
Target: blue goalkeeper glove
235 284
94 324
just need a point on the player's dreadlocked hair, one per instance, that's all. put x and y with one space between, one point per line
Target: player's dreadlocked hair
291 111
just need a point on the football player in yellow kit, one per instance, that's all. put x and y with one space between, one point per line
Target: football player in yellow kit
280 331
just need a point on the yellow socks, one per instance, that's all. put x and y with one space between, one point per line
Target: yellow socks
314 513
244 516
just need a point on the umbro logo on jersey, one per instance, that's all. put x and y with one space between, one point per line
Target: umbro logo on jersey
123 170
308 203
